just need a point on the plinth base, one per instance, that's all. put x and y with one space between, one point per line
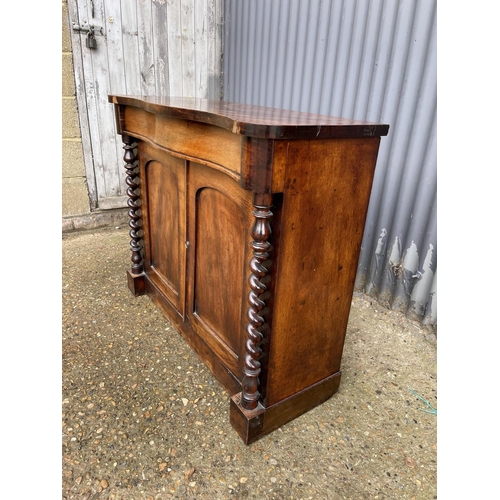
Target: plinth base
136 283
254 424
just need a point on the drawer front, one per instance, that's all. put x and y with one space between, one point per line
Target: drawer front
213 146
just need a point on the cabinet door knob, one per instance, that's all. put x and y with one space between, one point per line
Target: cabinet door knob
187 244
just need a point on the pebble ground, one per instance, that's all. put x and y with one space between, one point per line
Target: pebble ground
143 418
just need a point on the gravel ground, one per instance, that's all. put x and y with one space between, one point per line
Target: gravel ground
143 418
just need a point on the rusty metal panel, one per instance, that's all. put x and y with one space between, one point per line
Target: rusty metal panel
371 60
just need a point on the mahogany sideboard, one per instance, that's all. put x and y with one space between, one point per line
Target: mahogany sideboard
246 226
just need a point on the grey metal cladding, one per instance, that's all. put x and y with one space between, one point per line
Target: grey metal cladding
371 60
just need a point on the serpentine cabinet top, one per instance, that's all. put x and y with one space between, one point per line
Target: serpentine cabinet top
254 121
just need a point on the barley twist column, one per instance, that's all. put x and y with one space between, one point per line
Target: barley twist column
132 179
261 232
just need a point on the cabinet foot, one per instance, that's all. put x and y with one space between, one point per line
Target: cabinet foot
136 283
251 425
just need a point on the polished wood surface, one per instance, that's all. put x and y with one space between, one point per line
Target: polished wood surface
164 221
186 136
246 227
326 194
219 220
254 121
259 293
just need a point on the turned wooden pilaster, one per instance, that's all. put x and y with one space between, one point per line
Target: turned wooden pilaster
136 284
261 232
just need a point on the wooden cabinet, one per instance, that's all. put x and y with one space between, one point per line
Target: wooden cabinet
246 225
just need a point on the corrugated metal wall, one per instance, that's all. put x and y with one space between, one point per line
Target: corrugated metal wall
371 60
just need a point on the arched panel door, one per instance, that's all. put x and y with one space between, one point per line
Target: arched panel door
164 177
219 222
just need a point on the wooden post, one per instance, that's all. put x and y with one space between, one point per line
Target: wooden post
261 232
136 273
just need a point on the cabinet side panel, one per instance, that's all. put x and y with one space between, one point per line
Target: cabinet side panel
164 209
327 189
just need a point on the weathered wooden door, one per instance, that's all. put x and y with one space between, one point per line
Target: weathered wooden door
145 47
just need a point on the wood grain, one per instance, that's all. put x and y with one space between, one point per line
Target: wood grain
188 138
219 219
254 121
252 425
251 243
164 221
327 188
259 293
